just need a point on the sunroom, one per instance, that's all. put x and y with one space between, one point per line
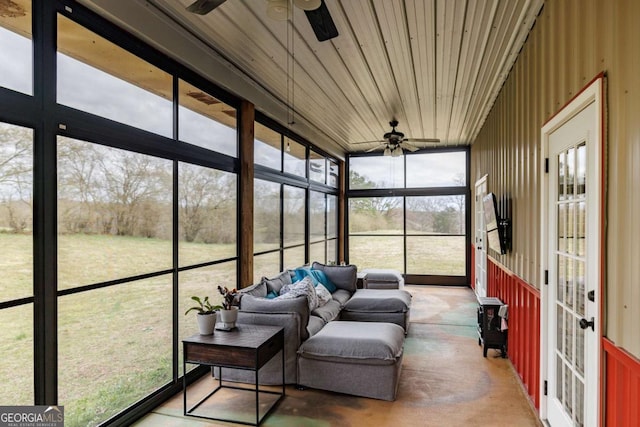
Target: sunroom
149 152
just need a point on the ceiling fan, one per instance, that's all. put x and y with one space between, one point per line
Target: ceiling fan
316 11
394 142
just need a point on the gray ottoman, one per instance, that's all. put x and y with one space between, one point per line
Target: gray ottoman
359 358
379 305
382 278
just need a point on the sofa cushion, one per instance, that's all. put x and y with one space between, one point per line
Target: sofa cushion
276 283
302 272
356 342
257 290
328 312
341 296
315 324
298 305
343 276
379 301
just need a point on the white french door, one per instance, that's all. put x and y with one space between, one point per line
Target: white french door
480 239
571 300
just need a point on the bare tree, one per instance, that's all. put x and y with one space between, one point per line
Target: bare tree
16 177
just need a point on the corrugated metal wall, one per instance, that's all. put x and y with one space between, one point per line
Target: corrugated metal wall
571 42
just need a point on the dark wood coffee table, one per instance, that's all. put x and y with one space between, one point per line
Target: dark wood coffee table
247 347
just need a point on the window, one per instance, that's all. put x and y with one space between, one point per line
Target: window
96 76
418 229
317 167
376 172
295 158
205 121
16 264
114 213
207 214
267 143
16 48
266 216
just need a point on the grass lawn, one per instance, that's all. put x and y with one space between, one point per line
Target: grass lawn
115 344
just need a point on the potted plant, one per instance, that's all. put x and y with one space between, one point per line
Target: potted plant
228 312
206 314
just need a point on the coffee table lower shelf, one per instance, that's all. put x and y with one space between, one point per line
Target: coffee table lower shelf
251 347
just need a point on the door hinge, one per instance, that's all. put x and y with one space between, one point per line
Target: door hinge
545 387
546 165
546 277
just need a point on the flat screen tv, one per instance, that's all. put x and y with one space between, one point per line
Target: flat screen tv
493 226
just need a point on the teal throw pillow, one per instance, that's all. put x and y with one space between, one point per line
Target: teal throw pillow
302 272
322 278
272 295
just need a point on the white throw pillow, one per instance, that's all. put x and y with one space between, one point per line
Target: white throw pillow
302 287
324 296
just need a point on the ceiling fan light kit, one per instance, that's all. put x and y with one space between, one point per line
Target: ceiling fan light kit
278 10
307 4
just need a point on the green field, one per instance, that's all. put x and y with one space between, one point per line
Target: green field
115 343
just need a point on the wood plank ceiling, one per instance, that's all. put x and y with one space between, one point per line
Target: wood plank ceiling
434 65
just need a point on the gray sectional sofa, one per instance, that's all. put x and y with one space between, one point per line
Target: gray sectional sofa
371 341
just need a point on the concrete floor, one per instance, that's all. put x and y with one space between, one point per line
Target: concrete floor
445 381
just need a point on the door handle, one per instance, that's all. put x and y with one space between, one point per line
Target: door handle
584 323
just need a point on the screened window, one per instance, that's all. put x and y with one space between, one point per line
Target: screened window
206 121
99 77
295 156
207 214
267 143
114 213
436 169
293 216
317 167
266 216
16 264
376 172
16 47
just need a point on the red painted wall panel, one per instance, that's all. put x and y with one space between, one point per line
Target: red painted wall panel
622 386
524 325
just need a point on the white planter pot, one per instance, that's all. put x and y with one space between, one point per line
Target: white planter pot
206 323
229 317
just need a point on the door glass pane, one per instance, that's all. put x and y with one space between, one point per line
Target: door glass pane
580 287
206 121
114 213
562 279
581 229
16 47
579 403
119 353
266 216
581 169
99 77
571 172
571 230
579 361
568 336
16 218
562 165
207 214
559 378
562 227
559 327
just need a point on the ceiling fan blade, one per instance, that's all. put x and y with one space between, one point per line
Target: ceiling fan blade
428 140
202 7
379 141
322 23
375 148
406 146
